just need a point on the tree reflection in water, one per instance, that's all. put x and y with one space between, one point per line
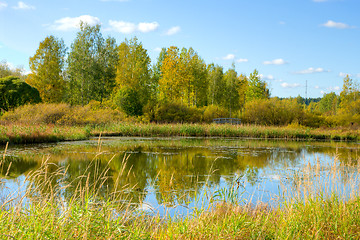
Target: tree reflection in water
176 170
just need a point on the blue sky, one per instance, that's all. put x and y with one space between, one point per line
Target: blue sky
290 42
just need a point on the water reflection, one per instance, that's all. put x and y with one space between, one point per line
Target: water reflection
173 171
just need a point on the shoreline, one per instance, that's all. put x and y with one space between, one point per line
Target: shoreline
27 134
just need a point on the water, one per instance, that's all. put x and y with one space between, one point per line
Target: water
174 175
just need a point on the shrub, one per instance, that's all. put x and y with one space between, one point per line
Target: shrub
272 111
63 114
177 113
214 111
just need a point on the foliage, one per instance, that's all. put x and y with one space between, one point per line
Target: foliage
214 111
183 78
15 92
91 66
62 114
47 66
273 111
6 70
329 104
217 90
257 89
176 113
128 99
134 84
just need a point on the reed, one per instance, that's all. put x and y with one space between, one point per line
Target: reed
19 134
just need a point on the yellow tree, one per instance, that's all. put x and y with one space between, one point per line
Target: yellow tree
350 93
47 69
170 83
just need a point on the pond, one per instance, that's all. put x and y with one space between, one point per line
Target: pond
175 175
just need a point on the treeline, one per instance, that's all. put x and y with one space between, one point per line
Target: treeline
178 87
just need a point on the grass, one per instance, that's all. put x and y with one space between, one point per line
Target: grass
24 134
20 133
226 130
40 212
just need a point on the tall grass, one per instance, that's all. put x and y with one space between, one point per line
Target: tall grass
225 130
315 209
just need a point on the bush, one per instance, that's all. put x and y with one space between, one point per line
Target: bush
63 114
273 112
214 111
177 113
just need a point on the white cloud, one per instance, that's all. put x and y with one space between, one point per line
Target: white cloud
148 27
114 0
241 60
69 23
3 5
339 25
341 74
290 85
229 57
173 31
23 6
278 61
358 75
268 77
129 27
122 27
282 23
158 49
312 70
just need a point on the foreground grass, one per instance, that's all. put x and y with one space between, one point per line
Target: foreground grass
52 133
318 219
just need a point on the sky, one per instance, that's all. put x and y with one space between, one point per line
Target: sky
299 47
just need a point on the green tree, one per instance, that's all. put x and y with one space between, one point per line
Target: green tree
193 78
133 76
91 66
233 85
350 93
15 92
6 70
47 66
156 73
216 84
328 104
257 89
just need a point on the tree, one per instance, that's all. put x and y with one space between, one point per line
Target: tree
91 66
232 83
257 89
328 103
350 93
193 78
216 91
6 70
170 81
15 92
184 78
133 75
47 66
157 73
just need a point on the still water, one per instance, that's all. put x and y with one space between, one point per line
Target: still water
177 174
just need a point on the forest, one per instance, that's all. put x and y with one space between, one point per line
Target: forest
98 77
